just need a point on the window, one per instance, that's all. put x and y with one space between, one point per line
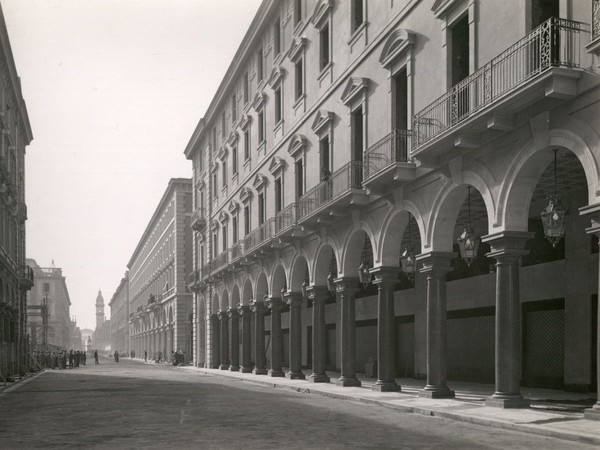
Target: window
261 208
278 195
299 71
224 171
246 87
223 125
214 139
233 109
357 134
460 50
357 13
278 101
234 224
299 173
234 160
246 220
261 126
260 73
324 46
277 37
298 12
224 236
325 158
400 101
215 242
246 144
214 183
46 287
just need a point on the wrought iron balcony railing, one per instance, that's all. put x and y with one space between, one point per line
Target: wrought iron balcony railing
258 236
555 43
236 251
595 19
199 219
26 277
343 180
285 219
391 149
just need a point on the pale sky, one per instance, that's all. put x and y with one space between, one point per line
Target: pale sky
114 90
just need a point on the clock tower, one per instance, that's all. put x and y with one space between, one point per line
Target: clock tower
99 310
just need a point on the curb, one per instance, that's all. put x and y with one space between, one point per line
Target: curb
21 382
430 412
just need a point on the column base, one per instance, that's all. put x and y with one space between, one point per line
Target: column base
276 373
592 413
245 369
436 392
507 401
348 381
224 367
295 375
318 378
258 371
234 368
386 386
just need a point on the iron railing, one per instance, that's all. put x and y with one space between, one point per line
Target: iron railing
285 219
26 276
595 19
237 251
198 218
391 149
555 43
259 235
219 261
341 181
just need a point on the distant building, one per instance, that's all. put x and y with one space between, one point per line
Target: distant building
16 278
119 313
101 336
48 308
160 304
76 339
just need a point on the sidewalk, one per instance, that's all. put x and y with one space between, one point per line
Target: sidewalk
556 414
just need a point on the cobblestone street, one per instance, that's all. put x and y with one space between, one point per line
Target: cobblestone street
137 405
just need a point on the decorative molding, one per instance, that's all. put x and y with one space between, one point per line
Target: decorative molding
277 75
246 194
297 146
245 121
223 152
214 224
441 7
321 12
260 181
232 138
277 165
223 217
259 100
233 207
297 48
398 42
322 120
355 87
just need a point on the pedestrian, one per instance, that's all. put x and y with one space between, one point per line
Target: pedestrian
159 356
71 359
96 356
145 356
116 356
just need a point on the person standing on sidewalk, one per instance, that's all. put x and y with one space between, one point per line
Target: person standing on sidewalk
145 356
96 356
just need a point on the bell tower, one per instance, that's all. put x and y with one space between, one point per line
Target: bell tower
99 310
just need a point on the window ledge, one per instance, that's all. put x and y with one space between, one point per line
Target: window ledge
325 73
356 35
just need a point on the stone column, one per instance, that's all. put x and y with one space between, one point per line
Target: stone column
507 248
318 295
294 300
259 309
215 341
436 265
234 341
593 413
244 313
224 319
275 305
347 288
385 279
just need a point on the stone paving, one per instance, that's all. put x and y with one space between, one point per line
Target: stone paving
138 405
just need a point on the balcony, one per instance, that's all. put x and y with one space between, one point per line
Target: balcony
219 263
535 74
26 278
331 198
199 219
594 45
259 240
236 252
194 281
286 224
387 163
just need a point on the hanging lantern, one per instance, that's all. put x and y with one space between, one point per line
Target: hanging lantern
553 216
468 242
407 260
363 269
305 285
332 274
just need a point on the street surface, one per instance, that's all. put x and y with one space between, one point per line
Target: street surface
137 405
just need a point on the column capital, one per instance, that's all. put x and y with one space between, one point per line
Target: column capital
222 314
317 293
507 243
385 274
274 303
293 299
232 311
243 309
346 284
257 306
436 262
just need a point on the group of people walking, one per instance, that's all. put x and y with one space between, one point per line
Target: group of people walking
60 359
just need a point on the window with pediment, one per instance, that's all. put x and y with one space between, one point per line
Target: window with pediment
277 169
321 19
323 127
297 150
355 97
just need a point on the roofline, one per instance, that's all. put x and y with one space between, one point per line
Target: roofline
256 24
171 188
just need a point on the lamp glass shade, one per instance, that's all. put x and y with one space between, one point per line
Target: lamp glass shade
363 273
468 244
330 282
553 220
407 260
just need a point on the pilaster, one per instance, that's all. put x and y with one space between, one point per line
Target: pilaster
347 288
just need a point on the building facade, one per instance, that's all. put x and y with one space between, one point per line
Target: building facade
16 278
372 180
160 318
49 322
101 339
119 317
